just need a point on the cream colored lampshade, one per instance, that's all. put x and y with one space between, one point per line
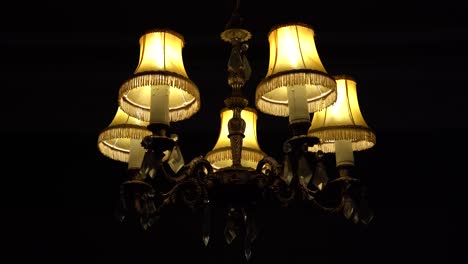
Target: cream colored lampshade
115 140
160 65
294 60
221 155
342 121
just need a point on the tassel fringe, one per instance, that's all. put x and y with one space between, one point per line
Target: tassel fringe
150 79
124 131
324 83
361 137
225 154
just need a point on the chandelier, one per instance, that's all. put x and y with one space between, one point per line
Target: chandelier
236 173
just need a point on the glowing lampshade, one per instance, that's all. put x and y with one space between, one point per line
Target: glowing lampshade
342 121
294 61
160 66
115 141
221 155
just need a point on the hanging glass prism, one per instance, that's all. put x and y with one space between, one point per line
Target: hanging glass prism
231 228
348 206
247 252
287 171
206 224
320 178
230 233
250 236
176 160
150 164
366 214
303 170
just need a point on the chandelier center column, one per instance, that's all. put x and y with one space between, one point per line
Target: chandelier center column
239 72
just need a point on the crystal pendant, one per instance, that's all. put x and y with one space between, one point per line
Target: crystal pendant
348 206
120 211
146 208
247 252
176 160
287 171
366 215
230 231
365 212
150 164
356 217
250 236
303 170
206 223
320 179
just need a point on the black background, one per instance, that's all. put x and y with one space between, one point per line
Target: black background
64 61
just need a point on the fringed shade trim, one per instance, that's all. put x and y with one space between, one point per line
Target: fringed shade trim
361 137
109 137
160 78
219 157
324 84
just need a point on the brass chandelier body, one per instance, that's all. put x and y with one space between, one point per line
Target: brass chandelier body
236 172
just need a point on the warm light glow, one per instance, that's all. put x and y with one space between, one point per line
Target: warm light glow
294 60
342 121
160 64
221 156
115 140
161 51
292 47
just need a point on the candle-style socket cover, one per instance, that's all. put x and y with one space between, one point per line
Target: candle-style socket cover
159 141
299 128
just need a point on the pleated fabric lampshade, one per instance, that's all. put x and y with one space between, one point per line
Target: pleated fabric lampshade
123 134
342 121
294 62
160 80
221 156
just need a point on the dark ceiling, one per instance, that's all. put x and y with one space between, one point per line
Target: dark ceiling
64 61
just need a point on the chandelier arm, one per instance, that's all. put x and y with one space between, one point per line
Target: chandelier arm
190 191
282 192
137 201
327 209
172 177
269 166
200 167
194 182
